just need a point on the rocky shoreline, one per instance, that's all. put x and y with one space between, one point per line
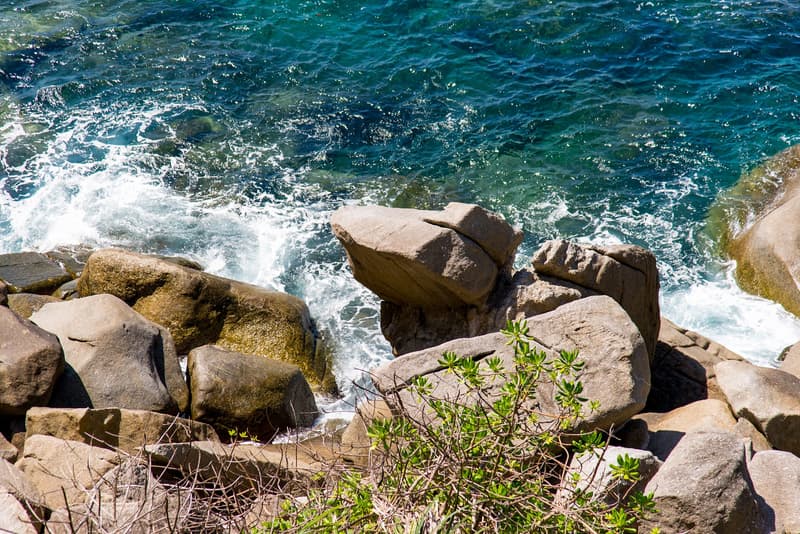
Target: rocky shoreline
93 401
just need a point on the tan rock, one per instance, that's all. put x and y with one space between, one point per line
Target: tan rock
14 516
29 501
26 304
3 294
626 273
8 451
356 444
406 260
667 429
57 467
31 362
616 371
768 398
790 360
776 477
115 357
198 309
115 428
745 429
246 392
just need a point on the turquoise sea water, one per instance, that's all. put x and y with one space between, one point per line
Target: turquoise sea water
228 131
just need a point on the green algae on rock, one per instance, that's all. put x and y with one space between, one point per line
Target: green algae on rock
754 223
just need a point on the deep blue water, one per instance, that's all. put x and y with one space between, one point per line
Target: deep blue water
229 130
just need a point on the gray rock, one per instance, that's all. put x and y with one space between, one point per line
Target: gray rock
790 360
626 273
595 474
115 357
31 272
115 428
59 468
67 291
768 398
71 258
683 368
616 371
30 363
406 260
667 429
776 477
198 308
703 487
234 391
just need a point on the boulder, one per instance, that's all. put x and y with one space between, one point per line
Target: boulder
3 294
31 272
756 222
59 468
115 428
768 398
426 259
71 258
591 471
703 487
243 467
67 291
27 507
115 357
626 273
199 308
667 429
356 444
26 304
245 392
790 360
30 363
776 477
746 429
8 451
683 368
616 371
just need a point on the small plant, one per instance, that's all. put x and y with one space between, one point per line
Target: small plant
492 458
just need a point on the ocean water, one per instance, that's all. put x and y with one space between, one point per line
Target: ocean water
228 131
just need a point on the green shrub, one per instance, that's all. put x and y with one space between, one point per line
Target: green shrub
488 460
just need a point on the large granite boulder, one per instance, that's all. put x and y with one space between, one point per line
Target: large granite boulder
426 259
626 273
245 392
616 371
115 428
776 477
31 272
30 363
115 357
704 487
199 308
62 469
756 221
768 398
683 368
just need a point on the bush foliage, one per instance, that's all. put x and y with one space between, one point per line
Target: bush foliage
486 460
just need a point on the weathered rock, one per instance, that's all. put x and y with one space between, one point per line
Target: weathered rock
115 428
626 273
31 272
405 259
703 487
683 369
29 501
30 363
249 467
746 429
245 392
115 357
776 477
8 451
768 398
766 252
595 474
3 294
57 467
616 371
71 258
26 304
198 309
667 429
790 360
67 291
356 444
